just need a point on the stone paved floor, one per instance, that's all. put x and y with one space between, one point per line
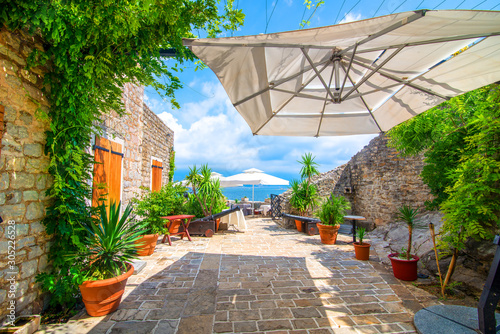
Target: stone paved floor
265 280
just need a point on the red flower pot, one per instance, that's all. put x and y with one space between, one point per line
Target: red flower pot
362 252
102 297
328 233
405 270
146 244
299 225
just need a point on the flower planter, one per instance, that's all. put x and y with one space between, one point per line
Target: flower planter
328 233
362 252
146 244
25 324
298 223
405 270
102 297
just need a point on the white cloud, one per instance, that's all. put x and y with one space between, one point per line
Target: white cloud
351 17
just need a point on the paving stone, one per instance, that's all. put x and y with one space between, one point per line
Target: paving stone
245 326
306 312
223 327
166 313
365 320
166 327
304 323
276 313
199 324
132 327
244 315
272 325
366 308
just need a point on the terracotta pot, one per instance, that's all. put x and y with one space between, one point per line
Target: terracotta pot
328 233
146 244
102 297
405 270
362 252
299 225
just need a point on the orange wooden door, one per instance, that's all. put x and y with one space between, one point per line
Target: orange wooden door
107 172
157 169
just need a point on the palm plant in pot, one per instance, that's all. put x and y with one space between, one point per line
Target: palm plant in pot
304 196
107 255
150 206
331 214
361 249
404 265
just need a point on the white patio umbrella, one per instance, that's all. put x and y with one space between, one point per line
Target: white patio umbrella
254 177
224 183
361 77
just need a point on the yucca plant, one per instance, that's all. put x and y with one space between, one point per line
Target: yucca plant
361 231
110 242
332 211
408 214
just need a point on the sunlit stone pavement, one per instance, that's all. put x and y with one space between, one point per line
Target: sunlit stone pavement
264 280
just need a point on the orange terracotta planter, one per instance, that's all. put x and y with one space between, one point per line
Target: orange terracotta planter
146 244
299 225
362 252
102 297
328 233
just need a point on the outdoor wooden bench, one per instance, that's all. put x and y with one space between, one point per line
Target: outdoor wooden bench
308 223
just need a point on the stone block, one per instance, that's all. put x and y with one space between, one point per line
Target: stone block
4 181
13 197
37 227
29 268
35 251
25 242
30 195
22 181
34 211
33 150
35 165
15 212
15 164
22 229
41 181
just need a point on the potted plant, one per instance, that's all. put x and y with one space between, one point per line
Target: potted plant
404 265
109 249
150 206
361 249
331 214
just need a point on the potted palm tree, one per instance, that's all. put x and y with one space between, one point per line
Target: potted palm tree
303 197
109 249
361 249
404 265
331 214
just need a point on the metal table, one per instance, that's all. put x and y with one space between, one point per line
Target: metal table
353 220
177 225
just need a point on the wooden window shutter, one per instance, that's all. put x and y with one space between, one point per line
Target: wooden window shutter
157 169
107 172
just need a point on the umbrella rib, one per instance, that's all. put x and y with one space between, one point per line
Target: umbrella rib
290 99
432 41
318 74
305 96
364 102
348 69
353 96
405 82
418 15
324 103
272 85
374 70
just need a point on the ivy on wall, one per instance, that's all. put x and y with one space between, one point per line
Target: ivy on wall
93 48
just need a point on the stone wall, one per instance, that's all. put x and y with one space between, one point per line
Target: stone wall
377 181
158 142
23 172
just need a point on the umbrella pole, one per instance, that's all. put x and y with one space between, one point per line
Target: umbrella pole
253 202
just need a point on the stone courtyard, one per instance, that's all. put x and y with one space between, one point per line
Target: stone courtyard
266 280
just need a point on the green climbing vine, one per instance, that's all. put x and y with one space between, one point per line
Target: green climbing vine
171 169
93 48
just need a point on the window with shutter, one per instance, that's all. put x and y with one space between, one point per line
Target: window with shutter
107 172
156 171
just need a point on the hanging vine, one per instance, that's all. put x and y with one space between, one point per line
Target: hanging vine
93 49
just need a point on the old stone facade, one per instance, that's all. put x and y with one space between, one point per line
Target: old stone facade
23 172
377 180
144 136
23 165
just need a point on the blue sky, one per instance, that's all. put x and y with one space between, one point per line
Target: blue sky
208 129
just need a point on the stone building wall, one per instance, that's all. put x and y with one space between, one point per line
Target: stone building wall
23 172
158 142
377 181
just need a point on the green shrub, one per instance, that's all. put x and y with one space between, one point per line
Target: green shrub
333 210
152 205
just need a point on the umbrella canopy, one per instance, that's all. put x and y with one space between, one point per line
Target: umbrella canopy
255 176
224 183
361 77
